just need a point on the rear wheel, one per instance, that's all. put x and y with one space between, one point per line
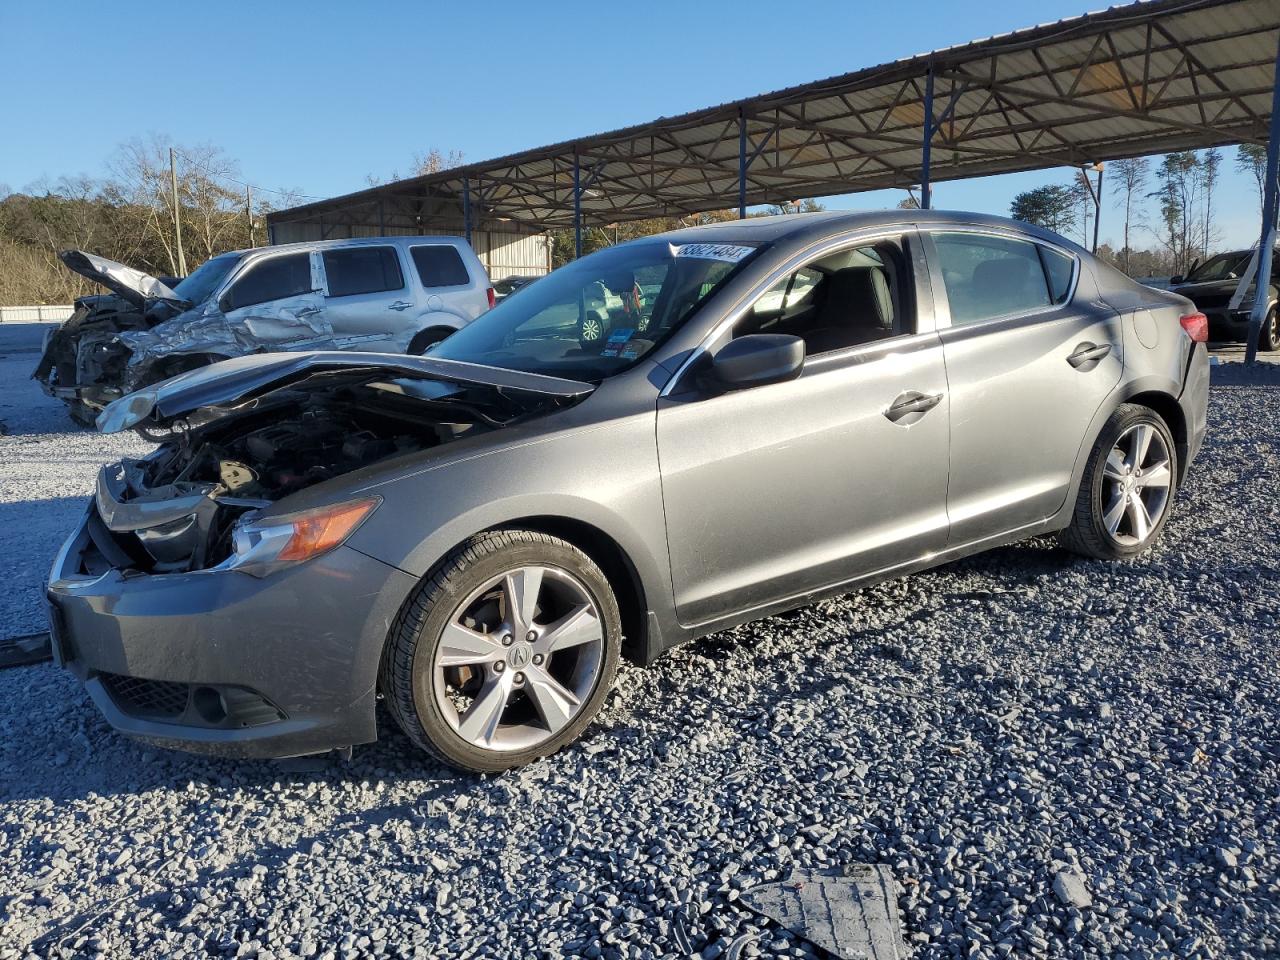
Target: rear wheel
1269 335
1127 489
426 338
505 653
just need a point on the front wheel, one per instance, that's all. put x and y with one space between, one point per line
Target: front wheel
505 653
1127 489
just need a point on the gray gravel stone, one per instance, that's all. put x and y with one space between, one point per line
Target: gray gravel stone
949 725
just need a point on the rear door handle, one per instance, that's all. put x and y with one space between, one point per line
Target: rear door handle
399 305
1088 355
307 312
911 406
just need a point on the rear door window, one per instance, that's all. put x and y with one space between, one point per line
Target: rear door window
988 276
439 265
275 278
354 270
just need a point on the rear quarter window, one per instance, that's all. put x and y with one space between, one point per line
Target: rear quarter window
439 265
1059 268
362 270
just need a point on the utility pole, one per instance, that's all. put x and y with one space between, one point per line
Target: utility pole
248 211
177 220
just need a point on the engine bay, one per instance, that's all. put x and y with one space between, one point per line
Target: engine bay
241 464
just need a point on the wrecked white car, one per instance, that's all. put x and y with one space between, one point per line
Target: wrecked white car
383 294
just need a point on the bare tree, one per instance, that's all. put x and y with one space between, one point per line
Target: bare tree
1209 165
1132 176
210 197
1251 158
141 171
433 161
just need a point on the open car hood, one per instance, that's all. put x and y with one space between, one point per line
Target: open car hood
133 285
232 383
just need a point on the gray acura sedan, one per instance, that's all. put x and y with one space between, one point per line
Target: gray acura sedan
660 440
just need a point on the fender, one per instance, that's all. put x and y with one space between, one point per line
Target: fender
1122 394
437 318
475 493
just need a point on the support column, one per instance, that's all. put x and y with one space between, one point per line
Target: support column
577 205
466 207
926 191
742 164
1097 212
1262 298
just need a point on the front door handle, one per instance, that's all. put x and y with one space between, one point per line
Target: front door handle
399 305
307 312
1088 355
911 406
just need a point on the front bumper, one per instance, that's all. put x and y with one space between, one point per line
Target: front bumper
224 663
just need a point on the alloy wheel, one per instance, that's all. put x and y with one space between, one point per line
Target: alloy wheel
591 329
1137 482
519 658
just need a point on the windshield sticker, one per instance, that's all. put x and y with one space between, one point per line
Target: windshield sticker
724 252
617 340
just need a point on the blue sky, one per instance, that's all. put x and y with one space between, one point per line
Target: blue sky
315 96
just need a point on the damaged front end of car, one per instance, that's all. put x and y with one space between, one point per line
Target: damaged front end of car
87 361
240 437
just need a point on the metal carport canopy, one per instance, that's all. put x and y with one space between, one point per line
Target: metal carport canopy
1138 79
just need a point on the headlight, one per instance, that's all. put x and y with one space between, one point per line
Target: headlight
261 546
127 411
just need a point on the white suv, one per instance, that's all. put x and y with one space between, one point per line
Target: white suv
382 294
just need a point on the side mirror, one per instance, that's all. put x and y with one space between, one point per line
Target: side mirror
758 359
224 302
1175 280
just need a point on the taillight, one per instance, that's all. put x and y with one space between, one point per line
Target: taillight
1197 327
493 297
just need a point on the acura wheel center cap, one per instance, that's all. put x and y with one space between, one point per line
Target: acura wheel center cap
520 654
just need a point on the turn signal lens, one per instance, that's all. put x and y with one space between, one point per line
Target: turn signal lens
1197 327
319 531
261 546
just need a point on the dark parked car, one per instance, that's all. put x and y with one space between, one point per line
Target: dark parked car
508 285
1210 286
478 534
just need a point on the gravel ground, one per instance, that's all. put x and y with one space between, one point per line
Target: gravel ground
1056 758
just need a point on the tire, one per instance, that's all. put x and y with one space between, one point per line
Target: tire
591 331
426 338
459 595
1105 525
1269 335
83 414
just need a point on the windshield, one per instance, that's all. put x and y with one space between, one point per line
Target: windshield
1225 266
601 314
199 286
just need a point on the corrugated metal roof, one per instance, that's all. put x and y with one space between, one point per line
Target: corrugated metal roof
1143 78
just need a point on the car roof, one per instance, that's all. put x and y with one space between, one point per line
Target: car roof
801 226
415 240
